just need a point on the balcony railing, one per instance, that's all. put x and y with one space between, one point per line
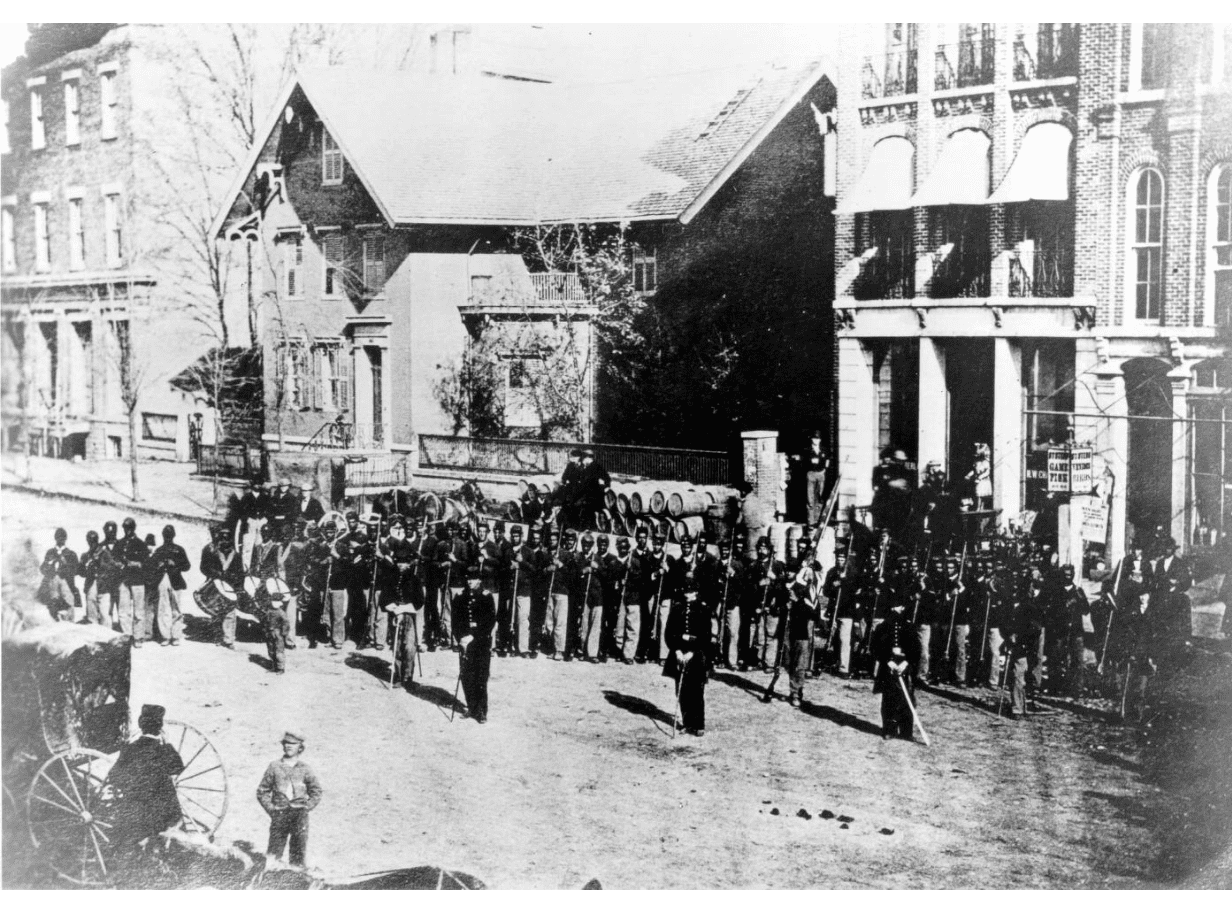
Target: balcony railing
885 278
1056 53
559 287
1041 274
895 73
346 435
960 274
966 64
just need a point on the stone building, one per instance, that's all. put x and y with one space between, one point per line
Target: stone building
87 260
1033 240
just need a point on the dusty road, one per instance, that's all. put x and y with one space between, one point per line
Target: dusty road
576 776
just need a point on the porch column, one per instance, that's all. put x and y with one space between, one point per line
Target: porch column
1007 428
857 423
762 471
1182 509
934 412
1108 436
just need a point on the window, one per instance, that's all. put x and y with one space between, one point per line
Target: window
42 239
296 380
72 113
1147 251
76 235
113 226
158 427
1210 454
10 241
1152 57
332 254
521 408
333 384
645 272
1219 230
292 266
331 159
374 263
38 136
108 104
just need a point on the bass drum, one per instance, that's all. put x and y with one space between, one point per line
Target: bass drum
215 598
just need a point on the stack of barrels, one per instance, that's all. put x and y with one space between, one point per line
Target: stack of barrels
674 509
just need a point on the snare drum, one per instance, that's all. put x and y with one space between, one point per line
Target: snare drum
215 598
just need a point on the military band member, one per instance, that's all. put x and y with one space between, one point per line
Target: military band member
358 574
506 636
273 598
60 569
688 644
313 584
1066 659
611 574
97 568
338 563
453 555
523 569
896 649
539 595
730 586
169 563
798 614
133 554
220 561
291 568
474 618
839 592
630 598
765 576
647 584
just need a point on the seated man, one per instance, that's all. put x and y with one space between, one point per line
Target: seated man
143 778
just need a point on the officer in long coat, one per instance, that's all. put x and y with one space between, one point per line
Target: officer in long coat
473 618
896 649
688 643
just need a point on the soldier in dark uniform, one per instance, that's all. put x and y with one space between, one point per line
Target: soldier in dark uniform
169 563
645 563
765 579
561 582
220 561
1172 580
730 586
133 554
838 593
629 599
798 612
595 483
1069 609
506 640
312 594
360 547
525 565
896 649
588 599
143 778
60 569
97 566
473 619
612 576
688 641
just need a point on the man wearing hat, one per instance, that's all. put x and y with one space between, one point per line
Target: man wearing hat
688 645
133 554
1171 581
474 619
895 648
526 561
289 790
561 570
143 778
169 563
569 493
595 483
588 596
625 573
220 561
60 570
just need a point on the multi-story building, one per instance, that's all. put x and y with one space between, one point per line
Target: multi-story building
1033 240
88 327
388 205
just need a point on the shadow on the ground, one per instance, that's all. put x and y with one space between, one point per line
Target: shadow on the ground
838 717
437 696
262 661
734 680
377 666
637 706
207 630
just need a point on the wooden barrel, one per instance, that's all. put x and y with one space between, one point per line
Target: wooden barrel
658 503
690 526
622 504
603 521
663 526
620 525
688 503
637 505
609 499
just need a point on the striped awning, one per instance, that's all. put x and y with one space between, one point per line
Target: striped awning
1041 168
962 173
887 181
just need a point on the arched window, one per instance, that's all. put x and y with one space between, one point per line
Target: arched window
1146 252
1219 234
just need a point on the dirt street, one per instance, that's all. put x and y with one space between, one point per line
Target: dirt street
576 776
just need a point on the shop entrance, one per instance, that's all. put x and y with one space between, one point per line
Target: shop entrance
1148 488
969 388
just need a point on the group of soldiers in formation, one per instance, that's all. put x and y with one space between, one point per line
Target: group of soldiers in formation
991 612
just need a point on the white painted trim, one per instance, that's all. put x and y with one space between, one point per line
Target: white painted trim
9 200
74 192
40 196
1208 243
112 189
70 75
35 81
110 66
1129 301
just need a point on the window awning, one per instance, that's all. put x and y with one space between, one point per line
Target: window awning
887 181
1041 168
962 173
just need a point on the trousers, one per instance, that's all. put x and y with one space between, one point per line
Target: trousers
170 618
592 625
135 615
289 825
924 635
558 621
628 627
520 623
335 616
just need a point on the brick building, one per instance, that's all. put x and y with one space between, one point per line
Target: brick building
85 261
386 205
1033 237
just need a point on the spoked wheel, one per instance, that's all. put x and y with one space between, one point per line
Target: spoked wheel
202 787
69 811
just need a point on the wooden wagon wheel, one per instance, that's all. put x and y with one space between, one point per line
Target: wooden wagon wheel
202 786
69 813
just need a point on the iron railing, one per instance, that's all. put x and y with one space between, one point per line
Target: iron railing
960 274
895 73
968 63
558 286
381 471
347 435
884 277
550 457
1041 274
230 461
1056 53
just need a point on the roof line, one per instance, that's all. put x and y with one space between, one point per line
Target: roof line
525 222
352 161
716 183
237 184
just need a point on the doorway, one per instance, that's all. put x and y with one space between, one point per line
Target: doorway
969 385
1148 487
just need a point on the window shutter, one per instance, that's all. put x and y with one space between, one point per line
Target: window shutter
345 366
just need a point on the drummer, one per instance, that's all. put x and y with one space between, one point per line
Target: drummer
221 566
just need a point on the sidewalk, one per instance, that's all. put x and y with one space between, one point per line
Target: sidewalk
167 488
